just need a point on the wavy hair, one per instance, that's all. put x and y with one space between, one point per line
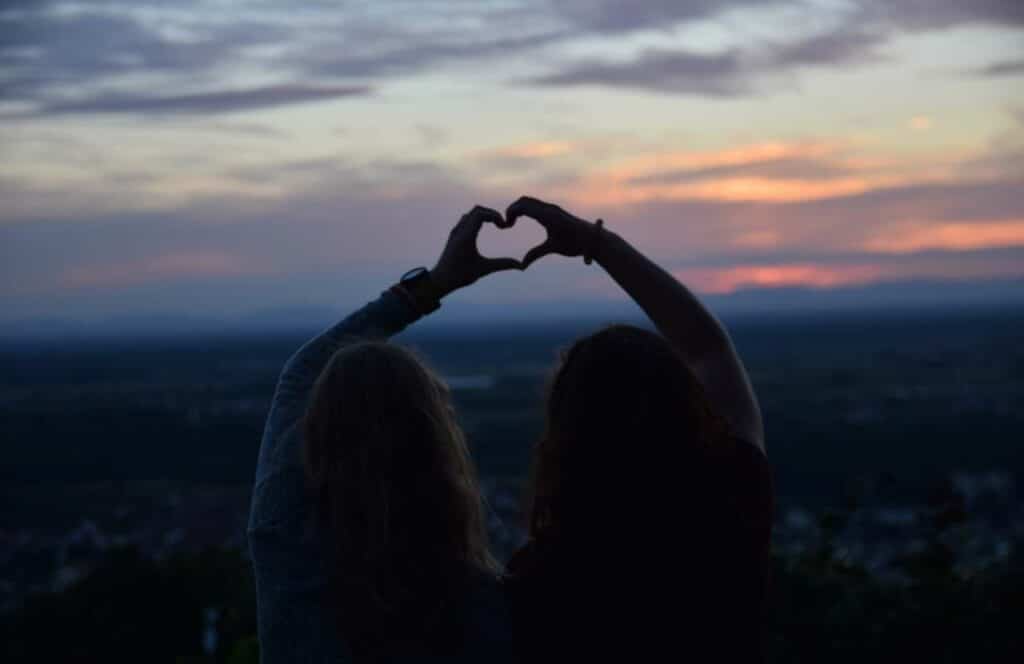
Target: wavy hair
395 487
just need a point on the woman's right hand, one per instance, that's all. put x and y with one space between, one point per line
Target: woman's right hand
568 235
460 263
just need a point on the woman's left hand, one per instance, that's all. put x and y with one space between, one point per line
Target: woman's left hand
460 263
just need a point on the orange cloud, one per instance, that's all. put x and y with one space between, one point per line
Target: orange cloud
534 150
748 154
761 189
731 278
950 236
758 239
167 266
812 275
920 123
741 174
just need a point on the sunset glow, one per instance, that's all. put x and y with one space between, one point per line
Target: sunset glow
169 266
731 279
952 236
272 154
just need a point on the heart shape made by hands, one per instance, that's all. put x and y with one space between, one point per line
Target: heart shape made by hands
494 242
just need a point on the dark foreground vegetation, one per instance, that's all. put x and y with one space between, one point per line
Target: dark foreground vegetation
200 607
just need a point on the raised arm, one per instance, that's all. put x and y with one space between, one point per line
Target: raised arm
459 266
697 335
295 623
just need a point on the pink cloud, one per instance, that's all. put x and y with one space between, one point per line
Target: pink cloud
535 150
737 277
731 278
160 268
950 236
773 172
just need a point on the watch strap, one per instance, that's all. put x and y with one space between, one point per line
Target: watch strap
419 292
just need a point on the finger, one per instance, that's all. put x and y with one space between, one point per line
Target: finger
476 217
461 224
498 264
489 214
541 250
492 215
528 206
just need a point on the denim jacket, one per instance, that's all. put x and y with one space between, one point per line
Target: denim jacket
294 621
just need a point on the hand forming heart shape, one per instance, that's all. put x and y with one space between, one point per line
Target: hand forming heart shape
568 235
513 240
462 264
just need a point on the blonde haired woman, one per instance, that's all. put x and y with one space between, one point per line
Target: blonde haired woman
366 530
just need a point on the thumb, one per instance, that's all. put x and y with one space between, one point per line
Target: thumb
499 264
537 252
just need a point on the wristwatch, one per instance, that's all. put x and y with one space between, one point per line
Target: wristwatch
418 289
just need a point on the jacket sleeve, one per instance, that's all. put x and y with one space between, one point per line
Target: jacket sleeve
294 623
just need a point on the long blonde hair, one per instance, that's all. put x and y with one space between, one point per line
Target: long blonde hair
395 487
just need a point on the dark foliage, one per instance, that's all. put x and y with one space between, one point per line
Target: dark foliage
132 609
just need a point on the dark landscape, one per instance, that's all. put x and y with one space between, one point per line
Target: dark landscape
895 441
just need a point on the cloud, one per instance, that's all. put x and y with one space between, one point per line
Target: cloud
52 54
937 201
920 123
719 75
812 224
936 15
432 136
951 216
843 46
346 228
43 50
614 16
224 101
337 214
857 270
406 54
864 27
813 275
949 236
778 168
252 129
725 74
765 172
1002 68
1004 157
532 154
163 267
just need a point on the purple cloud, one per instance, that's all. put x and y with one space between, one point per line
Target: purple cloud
225 101
1003 68
730 73
720 75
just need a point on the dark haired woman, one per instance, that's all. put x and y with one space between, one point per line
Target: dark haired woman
366 531
650 513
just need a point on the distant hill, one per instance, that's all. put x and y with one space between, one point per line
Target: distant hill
878 298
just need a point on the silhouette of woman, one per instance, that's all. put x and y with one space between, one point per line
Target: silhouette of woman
651 497
366 529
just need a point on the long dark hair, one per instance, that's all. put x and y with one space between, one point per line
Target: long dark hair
637 533
392 478
624 416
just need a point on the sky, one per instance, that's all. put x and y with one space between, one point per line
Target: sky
214 158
